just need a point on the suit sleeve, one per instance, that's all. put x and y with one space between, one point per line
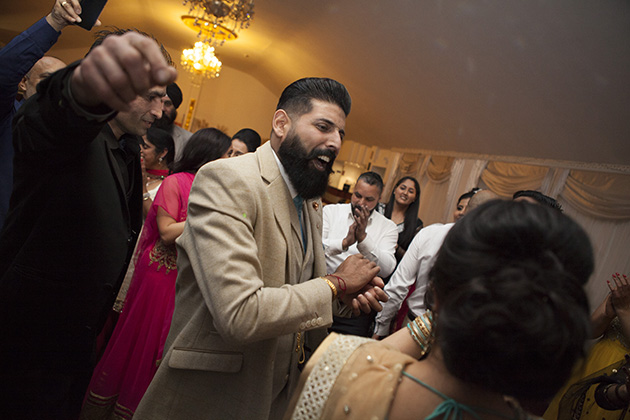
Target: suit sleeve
19 56
224 215
48 122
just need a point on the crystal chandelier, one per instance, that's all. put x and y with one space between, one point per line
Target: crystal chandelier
201 60
218 20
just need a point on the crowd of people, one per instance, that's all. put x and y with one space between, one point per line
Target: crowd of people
240 294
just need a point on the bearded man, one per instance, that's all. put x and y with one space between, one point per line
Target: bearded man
356 228
251 281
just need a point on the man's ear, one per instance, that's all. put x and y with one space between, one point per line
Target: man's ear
281 123
22 85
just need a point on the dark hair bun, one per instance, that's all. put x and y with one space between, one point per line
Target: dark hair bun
512 314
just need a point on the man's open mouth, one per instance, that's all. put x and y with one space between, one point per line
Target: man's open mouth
322 162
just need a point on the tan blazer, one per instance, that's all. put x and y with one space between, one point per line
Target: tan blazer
243 292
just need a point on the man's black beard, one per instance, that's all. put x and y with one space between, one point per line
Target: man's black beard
166 122
306 179
353 208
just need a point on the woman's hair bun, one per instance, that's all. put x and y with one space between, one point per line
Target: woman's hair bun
512 314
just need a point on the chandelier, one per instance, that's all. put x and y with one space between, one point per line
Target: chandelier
218 20
201 60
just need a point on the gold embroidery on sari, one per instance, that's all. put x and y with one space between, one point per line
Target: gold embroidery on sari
164 256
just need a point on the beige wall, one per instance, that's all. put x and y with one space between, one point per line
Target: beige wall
232 101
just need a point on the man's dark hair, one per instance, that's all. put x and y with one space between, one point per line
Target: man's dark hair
543 199
372 178
250 137
296 98
100 36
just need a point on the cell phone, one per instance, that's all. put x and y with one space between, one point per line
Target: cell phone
90 11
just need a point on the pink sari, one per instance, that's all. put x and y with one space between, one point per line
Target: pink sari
130 360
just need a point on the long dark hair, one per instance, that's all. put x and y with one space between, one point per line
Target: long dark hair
412 223
204 146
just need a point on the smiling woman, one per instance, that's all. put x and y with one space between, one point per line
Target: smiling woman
402 209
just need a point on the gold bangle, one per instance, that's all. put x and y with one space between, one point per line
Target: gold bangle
421 330
332 287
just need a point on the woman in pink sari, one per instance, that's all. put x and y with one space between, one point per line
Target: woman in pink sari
135 348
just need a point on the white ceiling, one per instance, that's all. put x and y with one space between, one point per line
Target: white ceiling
546 79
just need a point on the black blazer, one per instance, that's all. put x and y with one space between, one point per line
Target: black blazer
72 224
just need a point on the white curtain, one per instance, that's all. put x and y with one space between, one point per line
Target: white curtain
599 200
505 178
409 164
611 247
435 183
600 195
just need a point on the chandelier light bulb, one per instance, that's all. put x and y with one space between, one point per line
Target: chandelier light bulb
201 60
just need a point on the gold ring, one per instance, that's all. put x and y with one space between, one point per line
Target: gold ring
63 3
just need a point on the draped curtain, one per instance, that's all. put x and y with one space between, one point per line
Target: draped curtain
506 178
435 184
611 246
600 195
410 164
465 176
598 201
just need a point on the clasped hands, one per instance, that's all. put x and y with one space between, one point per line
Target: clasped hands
363 289
356 231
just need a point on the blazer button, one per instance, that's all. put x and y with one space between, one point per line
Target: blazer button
308 324
302 327
320 321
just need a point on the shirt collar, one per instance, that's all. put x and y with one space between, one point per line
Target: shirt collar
285 176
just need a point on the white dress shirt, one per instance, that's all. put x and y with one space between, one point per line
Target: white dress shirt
413 268
378 246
